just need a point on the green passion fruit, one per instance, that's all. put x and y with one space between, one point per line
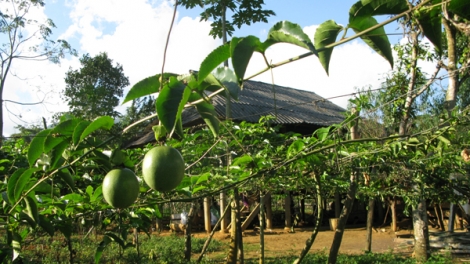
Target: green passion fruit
120 188
163 168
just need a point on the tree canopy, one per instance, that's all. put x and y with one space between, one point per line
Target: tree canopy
95 88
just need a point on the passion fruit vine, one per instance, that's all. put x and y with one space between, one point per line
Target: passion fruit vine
163 168
120 188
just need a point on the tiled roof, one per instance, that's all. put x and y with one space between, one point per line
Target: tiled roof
290 107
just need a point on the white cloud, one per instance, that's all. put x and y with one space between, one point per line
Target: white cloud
133 33
352 65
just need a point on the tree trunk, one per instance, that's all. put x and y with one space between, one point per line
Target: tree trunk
238 224
370 223
208 240
338 237
187 234
421 232
351 195
261 228
318 221
233 251
337 204
453 75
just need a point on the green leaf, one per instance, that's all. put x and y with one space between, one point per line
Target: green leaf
288 32
99 250
147 86
104 122
322 133
170 103
115 238
243 160
430 21
89 190
370 8
213 60
36 148
376 39
72 197
65 227
199 188
326 34
32 209
159 132
52 140
242 53
460 7
444 140
203 178
78 131
295 148
65 175
56 154
16 245
66 127
207 112
17 182
228 80
46 225
97 194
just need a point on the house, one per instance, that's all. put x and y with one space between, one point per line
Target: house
295 110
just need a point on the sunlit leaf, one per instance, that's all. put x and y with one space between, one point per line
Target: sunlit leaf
322 133
295 148
242 161
326 34
78 131
242 53
288 32
430 21
17 182
102 122
376 39
170 103
147 86
213 60
370 8
228 80
32 209
36 148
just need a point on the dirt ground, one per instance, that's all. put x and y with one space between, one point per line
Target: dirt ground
281 243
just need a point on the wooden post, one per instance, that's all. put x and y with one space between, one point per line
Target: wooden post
207 214
393 209
288 220
269 211
223 205
302 209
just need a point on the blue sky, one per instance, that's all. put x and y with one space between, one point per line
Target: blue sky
133 34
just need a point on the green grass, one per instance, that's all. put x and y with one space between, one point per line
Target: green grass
170 249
